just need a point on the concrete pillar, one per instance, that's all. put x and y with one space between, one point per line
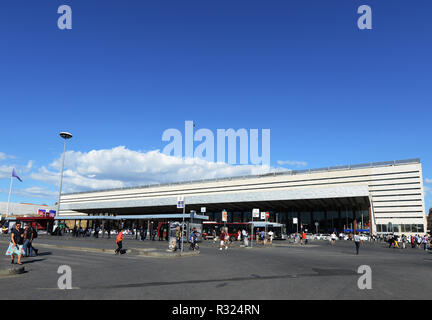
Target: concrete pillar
103 228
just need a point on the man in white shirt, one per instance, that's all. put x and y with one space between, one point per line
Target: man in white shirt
270 234
357 241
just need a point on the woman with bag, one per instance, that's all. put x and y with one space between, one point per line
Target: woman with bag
16 244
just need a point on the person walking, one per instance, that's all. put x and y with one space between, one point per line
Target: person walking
396 241
357 242
27 251
193 238
178 238
404 241
390 240
34 236
16 243
425 242
119 241
245 238
270 235
262 236
303 238
333 238
223 238
419 241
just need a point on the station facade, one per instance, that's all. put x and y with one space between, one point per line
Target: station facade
380 197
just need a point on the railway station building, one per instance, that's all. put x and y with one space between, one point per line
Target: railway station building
377 197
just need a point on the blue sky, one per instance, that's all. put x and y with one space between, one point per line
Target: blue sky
128 70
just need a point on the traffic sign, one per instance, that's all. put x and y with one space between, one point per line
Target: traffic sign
295 220
255 213
203 209
180 202
263 215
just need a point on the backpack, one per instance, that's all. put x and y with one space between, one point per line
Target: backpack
35 234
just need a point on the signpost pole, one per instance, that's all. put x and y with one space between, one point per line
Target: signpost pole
252 230
181 203
266 227
10 191
184 210
254 212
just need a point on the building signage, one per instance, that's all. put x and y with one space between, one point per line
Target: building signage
224 216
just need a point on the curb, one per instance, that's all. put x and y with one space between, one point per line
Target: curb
170 254
142 252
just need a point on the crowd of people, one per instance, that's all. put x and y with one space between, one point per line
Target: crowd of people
415 241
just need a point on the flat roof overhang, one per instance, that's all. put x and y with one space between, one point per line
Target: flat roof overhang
295 199
134 217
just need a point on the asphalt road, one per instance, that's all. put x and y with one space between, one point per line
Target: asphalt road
316 271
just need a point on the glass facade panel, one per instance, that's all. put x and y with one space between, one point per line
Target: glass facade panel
237 217
332 221
348 218
420 228
362 217
305 218
414 228
319 216
379 227
218 216
395 228
407 228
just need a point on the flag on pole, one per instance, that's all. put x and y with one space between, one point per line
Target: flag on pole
14 175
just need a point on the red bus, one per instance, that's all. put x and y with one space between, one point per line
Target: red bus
233 228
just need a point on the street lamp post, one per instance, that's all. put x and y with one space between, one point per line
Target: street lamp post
65 136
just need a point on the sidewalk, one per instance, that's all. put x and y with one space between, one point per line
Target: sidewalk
146 248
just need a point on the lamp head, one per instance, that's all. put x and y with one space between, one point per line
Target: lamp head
65 135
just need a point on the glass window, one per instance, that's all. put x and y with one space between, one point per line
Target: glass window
384 227
414 228
407 228
420 228
395 228
305 219
348 217
332 220
379 228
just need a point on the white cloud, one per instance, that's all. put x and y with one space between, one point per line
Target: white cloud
6 170
428 180
4 156
33 192
121 167
292 163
